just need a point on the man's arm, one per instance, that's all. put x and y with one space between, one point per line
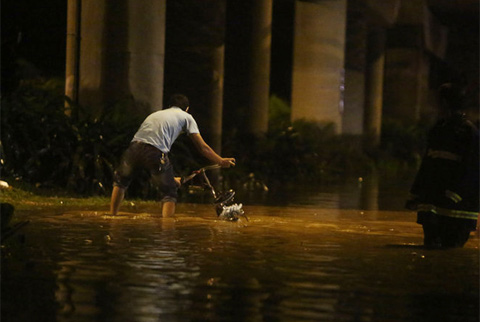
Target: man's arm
208 152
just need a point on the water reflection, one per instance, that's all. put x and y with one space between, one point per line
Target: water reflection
364 193
329 260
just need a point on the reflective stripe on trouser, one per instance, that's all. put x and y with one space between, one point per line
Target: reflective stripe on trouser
455 213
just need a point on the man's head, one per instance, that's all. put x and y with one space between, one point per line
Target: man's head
451 96
179 100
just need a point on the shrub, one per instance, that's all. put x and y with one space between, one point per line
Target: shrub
403 143
301 152
44 146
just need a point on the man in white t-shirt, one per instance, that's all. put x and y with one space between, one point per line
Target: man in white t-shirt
149 150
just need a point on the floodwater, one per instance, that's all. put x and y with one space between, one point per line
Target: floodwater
339 255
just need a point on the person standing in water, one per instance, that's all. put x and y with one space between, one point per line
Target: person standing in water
149 150
445 192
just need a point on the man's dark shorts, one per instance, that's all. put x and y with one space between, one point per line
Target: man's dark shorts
141 156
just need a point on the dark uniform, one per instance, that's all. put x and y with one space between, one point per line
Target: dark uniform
445 192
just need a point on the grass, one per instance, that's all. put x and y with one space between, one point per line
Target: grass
25 197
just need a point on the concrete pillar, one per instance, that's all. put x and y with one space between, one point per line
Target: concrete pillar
370 192
91 53
247 66
406 84
319 61
72 50
122 52
194 61
217 98
210 115
407 65
116 53
146 44
259 80
355 62
374 85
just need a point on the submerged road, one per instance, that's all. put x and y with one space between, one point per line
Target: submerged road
289 263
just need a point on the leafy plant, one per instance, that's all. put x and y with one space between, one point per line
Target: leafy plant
403 143
44 146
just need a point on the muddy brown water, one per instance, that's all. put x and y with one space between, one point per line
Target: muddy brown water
320 258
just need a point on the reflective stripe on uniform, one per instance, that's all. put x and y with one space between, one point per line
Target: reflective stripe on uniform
473 215
453 196
439 154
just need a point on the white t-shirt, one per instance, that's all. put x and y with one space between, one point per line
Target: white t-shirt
163 127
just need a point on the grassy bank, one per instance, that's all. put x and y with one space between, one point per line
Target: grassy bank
24 197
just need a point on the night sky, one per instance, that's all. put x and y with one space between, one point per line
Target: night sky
36 32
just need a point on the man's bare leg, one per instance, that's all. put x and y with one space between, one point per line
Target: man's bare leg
168 209
168 206
118 194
